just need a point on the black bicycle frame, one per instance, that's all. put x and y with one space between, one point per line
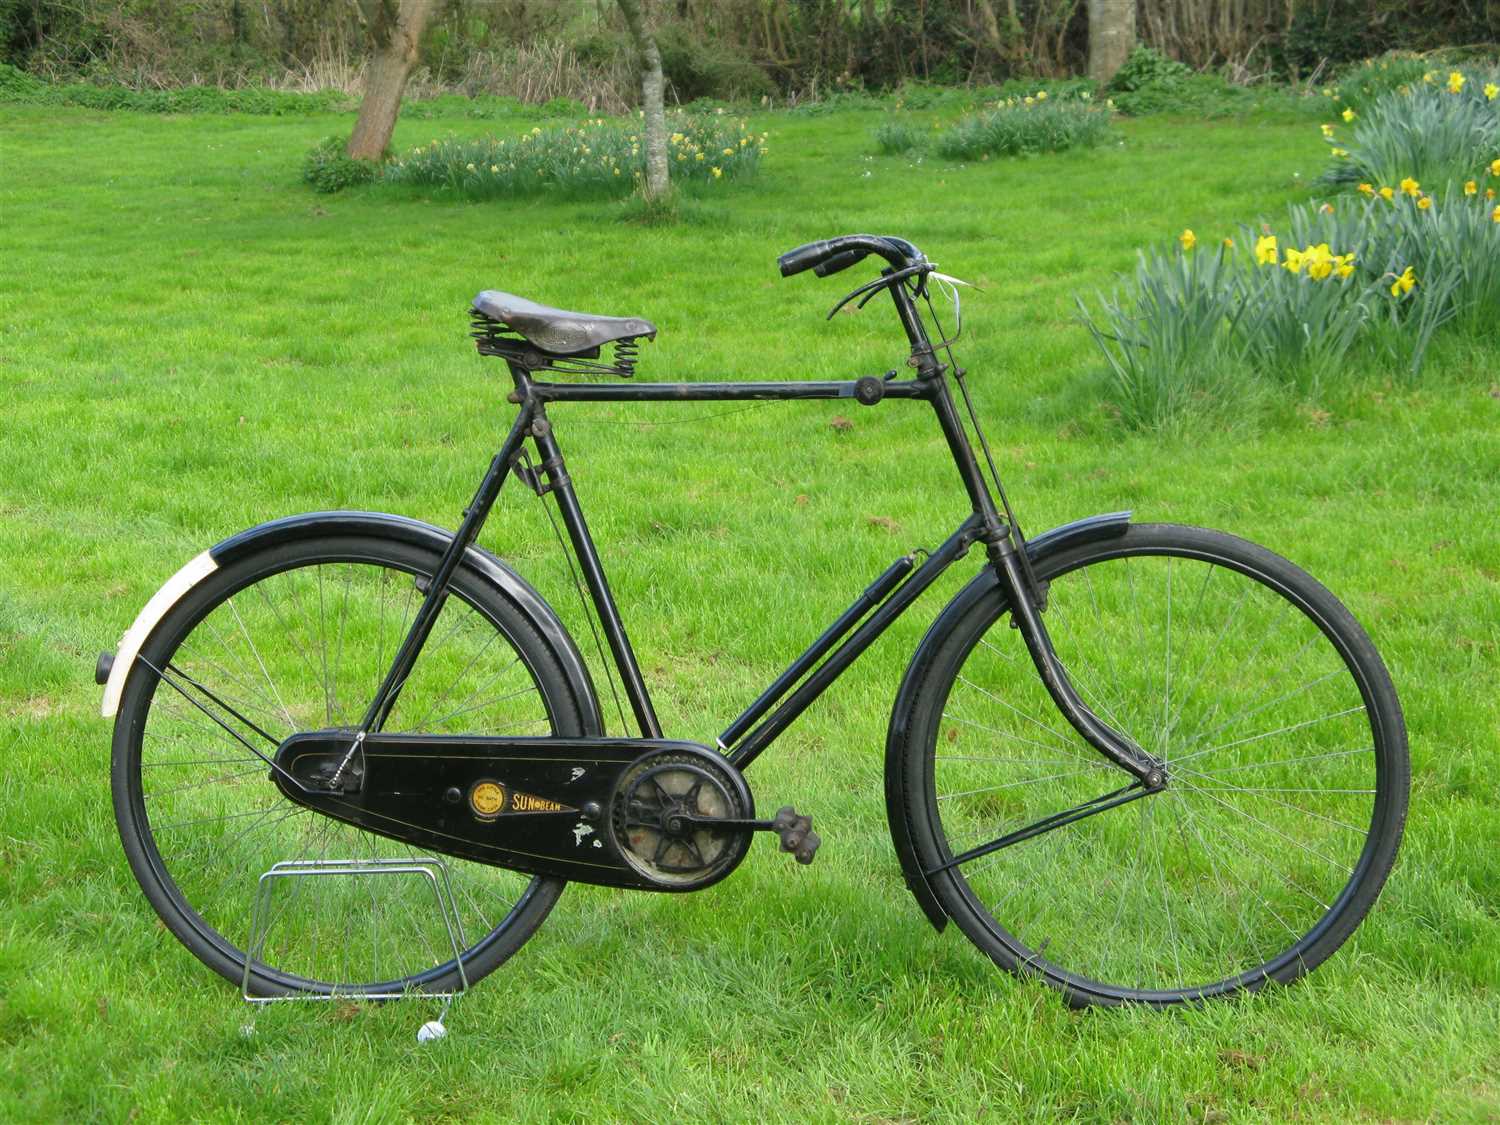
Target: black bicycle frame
877 607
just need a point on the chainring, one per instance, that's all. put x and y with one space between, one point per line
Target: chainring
650 801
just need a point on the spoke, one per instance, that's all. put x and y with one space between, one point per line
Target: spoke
1268 734
1048 746
1015 784
256 653
1061 739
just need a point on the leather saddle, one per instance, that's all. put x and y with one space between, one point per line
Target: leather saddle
556 330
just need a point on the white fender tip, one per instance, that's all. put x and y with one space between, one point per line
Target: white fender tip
130 644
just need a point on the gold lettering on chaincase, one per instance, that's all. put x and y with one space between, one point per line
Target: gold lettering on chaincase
525 802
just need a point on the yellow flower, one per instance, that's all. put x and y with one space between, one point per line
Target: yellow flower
1318 260
1327 208
1229 244
1495 214
1327 130
1041 95
1387 194
1495 166
1411 187
1265 250
717 171
1471 188
494 167
1343 264
1188 239
1293 260
471 167
1347 115
698 157
1455 82
1428 76
536 130
1340 151
1030 100
1366 189
1489 193
1404 283
1425 203
729 152
1490 90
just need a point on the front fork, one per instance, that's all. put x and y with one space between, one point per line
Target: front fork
1026 615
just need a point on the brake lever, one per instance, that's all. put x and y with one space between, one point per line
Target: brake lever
870 288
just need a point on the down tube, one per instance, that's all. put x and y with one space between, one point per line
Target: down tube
956 546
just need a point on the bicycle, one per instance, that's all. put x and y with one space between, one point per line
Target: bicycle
1142 762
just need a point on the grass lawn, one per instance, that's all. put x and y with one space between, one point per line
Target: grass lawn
191 342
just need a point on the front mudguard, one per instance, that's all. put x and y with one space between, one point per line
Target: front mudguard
1108 526
377 525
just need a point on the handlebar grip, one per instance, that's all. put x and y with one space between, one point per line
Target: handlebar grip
840 261
804 257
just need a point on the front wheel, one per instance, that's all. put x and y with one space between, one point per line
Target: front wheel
297 636
1283 743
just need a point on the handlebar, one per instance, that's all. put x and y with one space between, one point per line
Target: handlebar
831 255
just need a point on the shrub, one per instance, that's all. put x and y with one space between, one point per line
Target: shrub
898 135
328 170
595 158
1028 125
16 86
1434 132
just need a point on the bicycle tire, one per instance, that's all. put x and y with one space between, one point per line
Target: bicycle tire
1278 826
201 820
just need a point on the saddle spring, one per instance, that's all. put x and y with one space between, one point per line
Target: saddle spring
495 337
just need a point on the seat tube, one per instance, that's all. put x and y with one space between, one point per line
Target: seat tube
593 573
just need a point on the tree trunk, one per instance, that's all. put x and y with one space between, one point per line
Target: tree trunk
658 181
1111 36
395 35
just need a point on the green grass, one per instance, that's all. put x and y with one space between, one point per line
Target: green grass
191 342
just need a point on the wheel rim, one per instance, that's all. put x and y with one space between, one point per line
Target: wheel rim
303 645
1242 869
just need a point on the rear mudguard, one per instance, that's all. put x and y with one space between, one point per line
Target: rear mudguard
379 525
1108 526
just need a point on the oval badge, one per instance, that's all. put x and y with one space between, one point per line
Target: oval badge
487 799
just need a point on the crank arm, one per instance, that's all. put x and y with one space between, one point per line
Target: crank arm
794 829
1132 792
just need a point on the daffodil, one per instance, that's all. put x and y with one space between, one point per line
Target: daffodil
1366 189
1455 82
1495 166
1490 90
1403 283
1327 130
1292 260
717 171
471 166
1229 244
1489 193
1495 214
1265 250
1387 194
1188 239
1343 264
1425 203
1411 187
1471 188
1327 208
1318 260
1041 95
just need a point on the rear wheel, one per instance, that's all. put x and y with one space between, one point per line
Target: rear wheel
297 637
1282 739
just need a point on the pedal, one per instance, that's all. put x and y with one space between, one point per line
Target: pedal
796 834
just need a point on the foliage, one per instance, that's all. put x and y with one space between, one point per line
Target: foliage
1378 273
17 86
698 68
328 170
1025 126
897 135
1362 85
598 157
1145 67
1434 131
